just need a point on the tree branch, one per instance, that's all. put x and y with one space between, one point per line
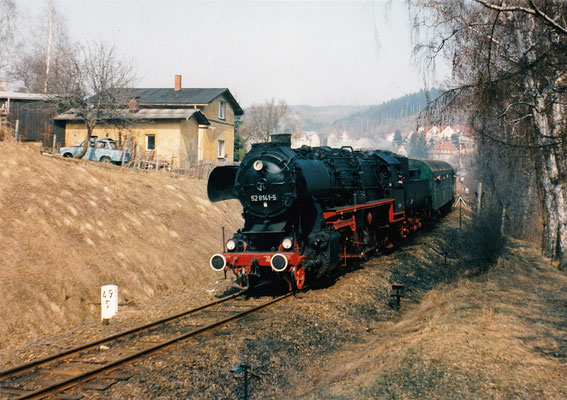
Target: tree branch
532 11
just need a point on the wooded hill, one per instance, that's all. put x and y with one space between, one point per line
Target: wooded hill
394 114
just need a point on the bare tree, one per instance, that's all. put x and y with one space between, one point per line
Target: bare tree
95 88
44 56
263 120
509 63
7 16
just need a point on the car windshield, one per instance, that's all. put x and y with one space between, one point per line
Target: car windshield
111 145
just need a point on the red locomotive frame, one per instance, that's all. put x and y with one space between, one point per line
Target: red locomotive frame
342 219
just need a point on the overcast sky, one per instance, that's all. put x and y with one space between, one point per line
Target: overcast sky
313 53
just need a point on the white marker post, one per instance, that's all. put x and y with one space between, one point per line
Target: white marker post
460 201
108 302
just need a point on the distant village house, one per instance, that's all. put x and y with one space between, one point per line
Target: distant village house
445 151
305 138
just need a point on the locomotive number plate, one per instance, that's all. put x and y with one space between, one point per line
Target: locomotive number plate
263 197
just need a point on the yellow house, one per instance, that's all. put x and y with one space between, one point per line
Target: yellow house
184 127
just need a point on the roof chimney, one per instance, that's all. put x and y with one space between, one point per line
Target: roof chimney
133 105
177 82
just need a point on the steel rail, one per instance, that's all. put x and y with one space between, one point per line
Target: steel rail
64 354
88 375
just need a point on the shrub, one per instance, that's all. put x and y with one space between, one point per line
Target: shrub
480 242
5 131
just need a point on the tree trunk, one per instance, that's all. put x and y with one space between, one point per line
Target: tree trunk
553 186
562 226
49 46
548 114
86 143
550 227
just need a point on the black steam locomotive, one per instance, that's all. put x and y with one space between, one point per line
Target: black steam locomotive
311 210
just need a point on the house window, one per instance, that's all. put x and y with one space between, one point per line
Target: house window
150 142
222 109
220 147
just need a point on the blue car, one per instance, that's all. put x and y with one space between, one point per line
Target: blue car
100 149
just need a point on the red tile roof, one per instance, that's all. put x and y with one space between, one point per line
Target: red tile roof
445 147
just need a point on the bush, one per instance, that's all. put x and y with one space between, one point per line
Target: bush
5 131
481 241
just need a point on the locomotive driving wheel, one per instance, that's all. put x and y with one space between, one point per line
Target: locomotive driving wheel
299 276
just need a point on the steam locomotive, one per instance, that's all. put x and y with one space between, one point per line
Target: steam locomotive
312 210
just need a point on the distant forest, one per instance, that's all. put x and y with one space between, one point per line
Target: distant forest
394 114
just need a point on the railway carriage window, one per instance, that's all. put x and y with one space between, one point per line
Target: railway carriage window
150 142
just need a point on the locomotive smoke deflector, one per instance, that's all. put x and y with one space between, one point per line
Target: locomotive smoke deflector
221 183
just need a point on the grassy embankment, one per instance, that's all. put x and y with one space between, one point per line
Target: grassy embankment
67 227
497 335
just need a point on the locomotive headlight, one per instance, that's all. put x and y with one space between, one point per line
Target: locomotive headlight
258 165
231 245
286 243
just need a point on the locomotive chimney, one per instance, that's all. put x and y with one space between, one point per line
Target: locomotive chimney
177 83
283 139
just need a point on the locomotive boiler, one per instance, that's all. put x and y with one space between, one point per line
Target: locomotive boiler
309 211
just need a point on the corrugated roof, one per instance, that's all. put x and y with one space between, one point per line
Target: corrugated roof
186 96
148 114
22 96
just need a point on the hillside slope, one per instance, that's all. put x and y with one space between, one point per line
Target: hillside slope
67 227
502 335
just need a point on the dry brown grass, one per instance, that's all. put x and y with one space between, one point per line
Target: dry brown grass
500 336
67 227
5 130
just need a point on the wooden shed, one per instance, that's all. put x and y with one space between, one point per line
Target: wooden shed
32 118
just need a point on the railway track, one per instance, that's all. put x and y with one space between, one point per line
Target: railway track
94 365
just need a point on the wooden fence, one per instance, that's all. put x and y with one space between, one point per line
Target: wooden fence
199 171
